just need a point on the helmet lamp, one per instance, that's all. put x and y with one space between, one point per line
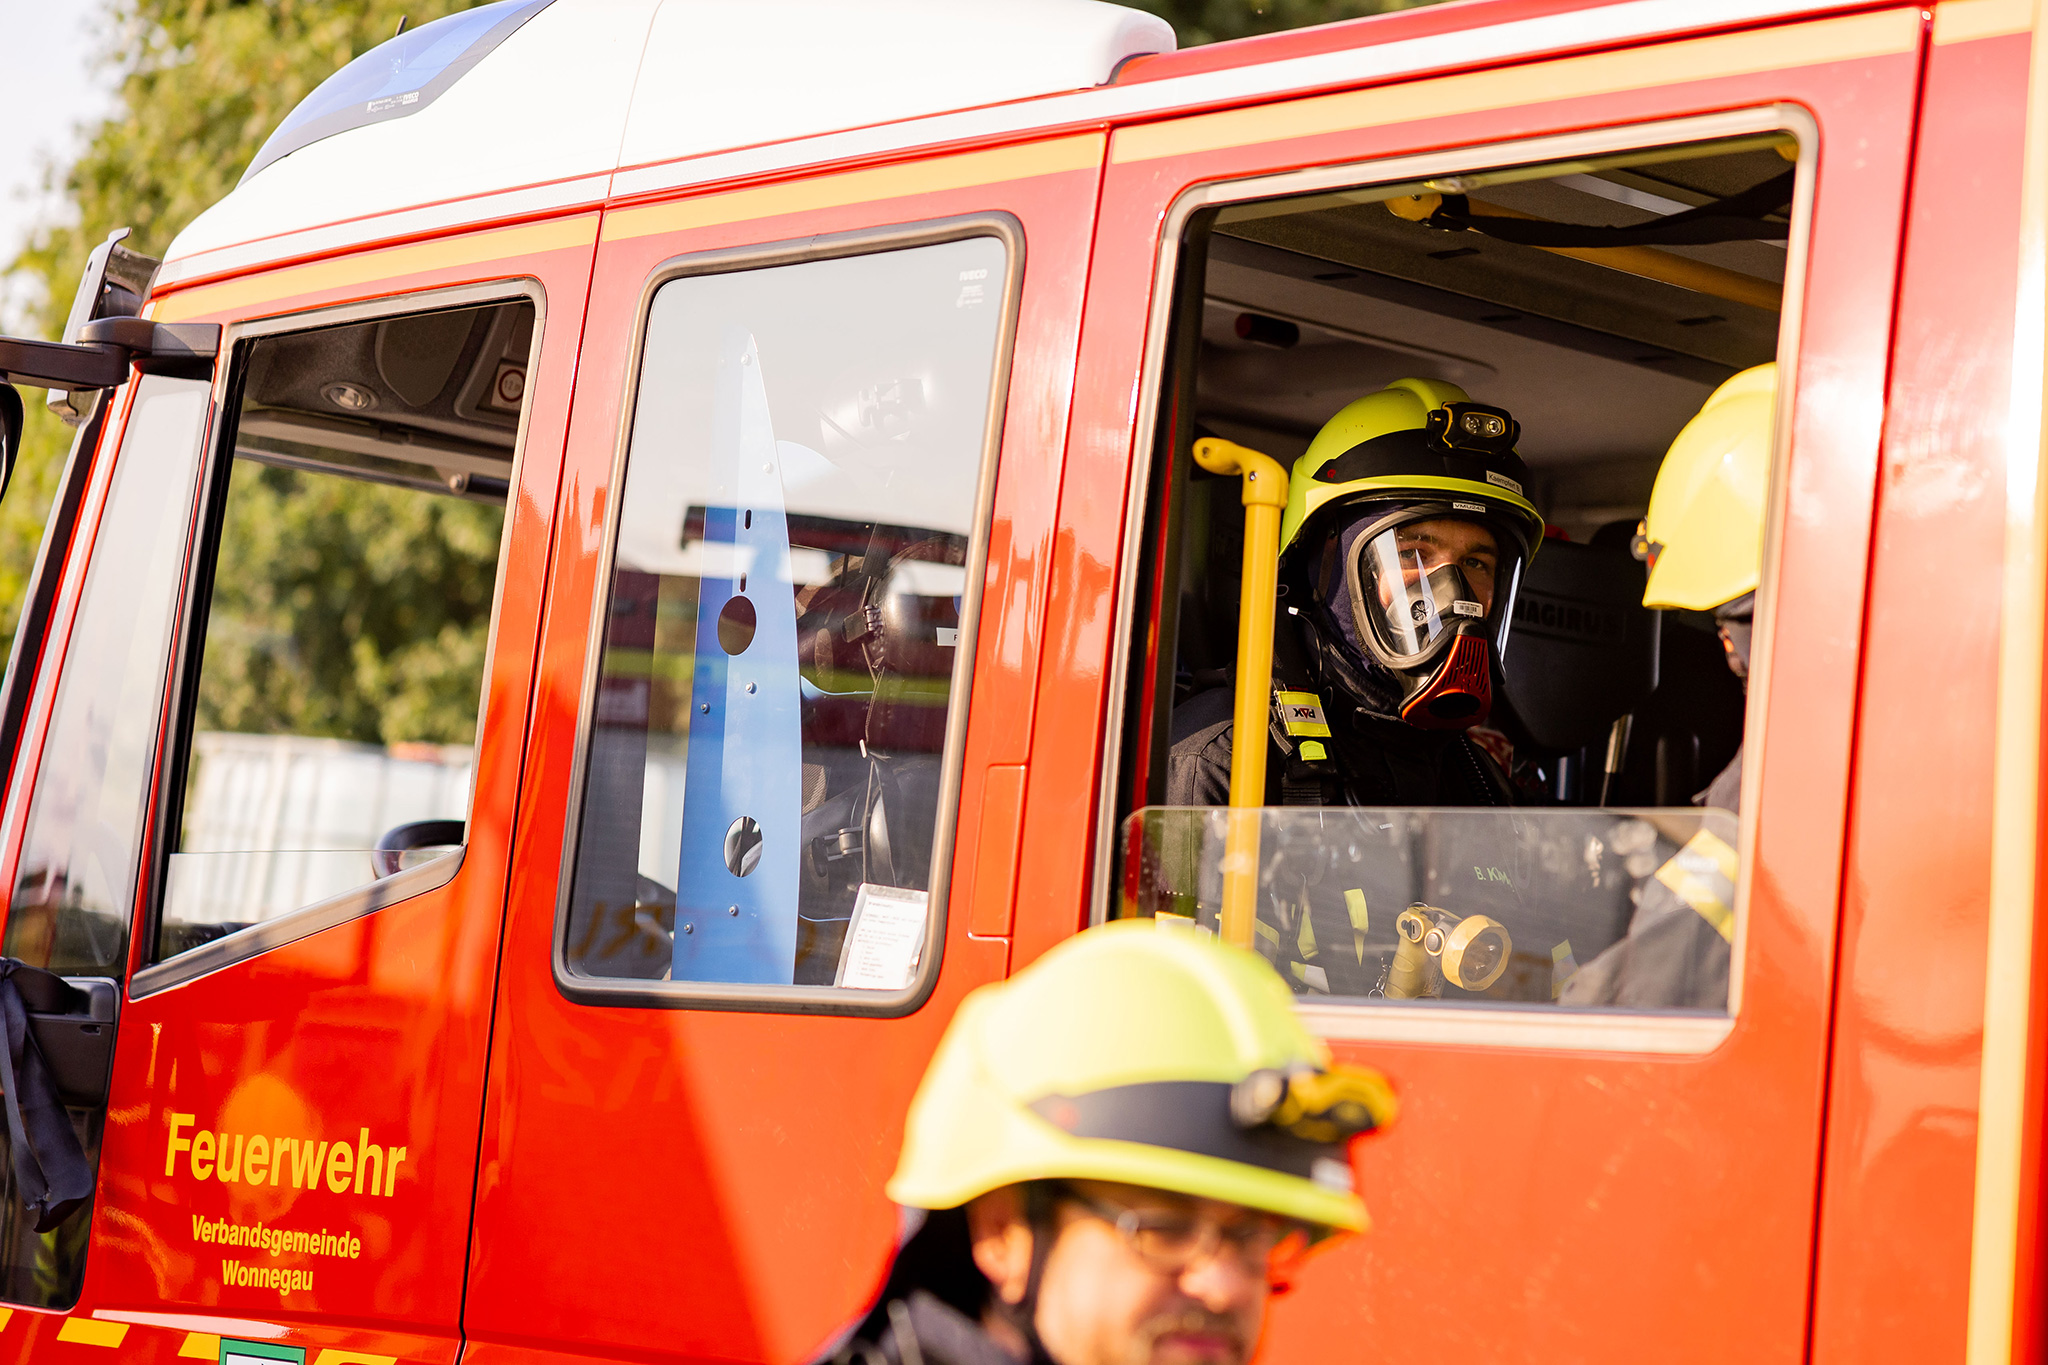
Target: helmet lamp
1473 428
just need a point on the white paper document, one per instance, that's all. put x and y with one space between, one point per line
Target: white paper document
884 939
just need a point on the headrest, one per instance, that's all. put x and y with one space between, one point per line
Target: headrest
1583 650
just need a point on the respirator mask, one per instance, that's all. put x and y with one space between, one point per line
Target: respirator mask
1428 589
1422 534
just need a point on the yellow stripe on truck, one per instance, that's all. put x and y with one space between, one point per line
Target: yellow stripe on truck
377 267
927 175
1856 38
1962 21
92 1332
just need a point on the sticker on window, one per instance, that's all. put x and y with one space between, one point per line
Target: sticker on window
884 940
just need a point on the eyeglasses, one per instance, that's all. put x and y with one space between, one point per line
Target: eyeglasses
1170 1240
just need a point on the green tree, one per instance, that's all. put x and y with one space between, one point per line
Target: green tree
1209 21
349 610
201 84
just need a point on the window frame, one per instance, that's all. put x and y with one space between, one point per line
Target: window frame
189 646
1504 1026
51 670
46 576
754 997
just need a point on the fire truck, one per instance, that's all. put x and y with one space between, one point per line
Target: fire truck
650 546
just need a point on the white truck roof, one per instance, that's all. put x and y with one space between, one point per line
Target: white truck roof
581 88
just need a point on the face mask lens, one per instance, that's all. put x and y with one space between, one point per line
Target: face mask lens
1413 584
1398 595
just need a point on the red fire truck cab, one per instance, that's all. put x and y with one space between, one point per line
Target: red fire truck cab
649 547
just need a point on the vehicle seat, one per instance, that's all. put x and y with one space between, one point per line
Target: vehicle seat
1584 648
1687 730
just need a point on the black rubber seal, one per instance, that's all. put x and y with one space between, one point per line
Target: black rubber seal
1186 1116
1412 452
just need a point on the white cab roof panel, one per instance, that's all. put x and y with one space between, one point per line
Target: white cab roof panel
549 103
587 86
721 74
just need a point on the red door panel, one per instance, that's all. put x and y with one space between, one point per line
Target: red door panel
371 1034
1903 1091
701 1183
1544 1205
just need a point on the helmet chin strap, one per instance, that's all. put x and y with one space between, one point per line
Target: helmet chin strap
1023 1314
1340 662
1341 669
1735 619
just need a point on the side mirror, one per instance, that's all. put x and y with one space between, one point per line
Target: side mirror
12 416
115 282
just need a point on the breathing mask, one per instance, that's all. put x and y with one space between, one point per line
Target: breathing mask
1406 518
1425 590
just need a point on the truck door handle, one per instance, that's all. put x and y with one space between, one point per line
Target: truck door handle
77 1042
51 1173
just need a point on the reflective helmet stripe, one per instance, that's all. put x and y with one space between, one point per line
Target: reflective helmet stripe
1030 1070
1188 1116
1413 452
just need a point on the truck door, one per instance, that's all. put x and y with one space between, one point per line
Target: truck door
786 690
268 796
1588 1160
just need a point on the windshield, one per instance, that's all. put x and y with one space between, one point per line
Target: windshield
397 78
1562 907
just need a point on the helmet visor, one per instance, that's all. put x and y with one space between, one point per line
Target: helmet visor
1415 578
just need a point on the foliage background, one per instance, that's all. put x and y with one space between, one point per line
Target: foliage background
349 610
200 85
1211 21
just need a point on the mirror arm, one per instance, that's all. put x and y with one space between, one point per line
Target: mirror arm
105 350
185 350
54 365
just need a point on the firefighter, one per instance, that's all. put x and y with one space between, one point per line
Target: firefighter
1111 1158
1401 546
1703 539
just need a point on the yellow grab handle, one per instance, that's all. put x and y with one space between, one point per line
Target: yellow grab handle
1264 495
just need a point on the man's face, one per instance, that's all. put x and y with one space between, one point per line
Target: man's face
1426 545
1104 1301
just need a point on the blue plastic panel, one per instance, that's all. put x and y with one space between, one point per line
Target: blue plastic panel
746 718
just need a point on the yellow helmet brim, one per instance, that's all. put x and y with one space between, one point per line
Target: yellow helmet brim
1116 1057
1705 524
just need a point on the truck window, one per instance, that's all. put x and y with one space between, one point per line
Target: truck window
334 667
1559 828
75 887
775 716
